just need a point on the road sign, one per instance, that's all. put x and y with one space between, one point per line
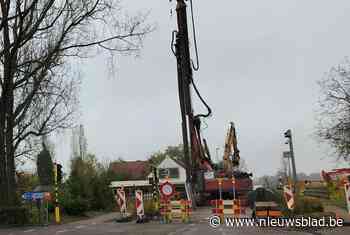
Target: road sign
167 189
27 196
37 195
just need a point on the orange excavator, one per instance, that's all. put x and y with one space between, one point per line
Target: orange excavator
221 180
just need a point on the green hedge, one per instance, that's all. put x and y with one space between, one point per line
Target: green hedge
14 216
305 205
75 206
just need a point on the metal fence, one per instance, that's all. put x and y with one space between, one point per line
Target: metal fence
317 192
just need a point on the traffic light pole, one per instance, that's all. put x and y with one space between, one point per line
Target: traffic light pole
288 134
155 189
57 208
293 161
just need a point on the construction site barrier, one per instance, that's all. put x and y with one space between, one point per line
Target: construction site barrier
164 210
267 209
224 208
172 211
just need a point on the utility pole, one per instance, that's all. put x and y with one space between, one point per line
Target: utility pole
288 135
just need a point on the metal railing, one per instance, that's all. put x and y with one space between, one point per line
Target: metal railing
317 192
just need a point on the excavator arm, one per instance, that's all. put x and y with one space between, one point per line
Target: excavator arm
231 153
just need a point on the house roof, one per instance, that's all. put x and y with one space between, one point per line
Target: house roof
132 170
181 163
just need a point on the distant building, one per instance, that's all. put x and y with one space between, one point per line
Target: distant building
132 170
78 143
140 172
172 168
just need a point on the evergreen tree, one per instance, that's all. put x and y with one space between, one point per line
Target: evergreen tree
45 167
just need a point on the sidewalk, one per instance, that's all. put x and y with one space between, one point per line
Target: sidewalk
340 212
98 219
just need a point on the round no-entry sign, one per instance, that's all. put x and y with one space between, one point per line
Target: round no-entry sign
167 189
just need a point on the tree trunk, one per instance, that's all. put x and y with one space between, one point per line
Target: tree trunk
3 175
10 153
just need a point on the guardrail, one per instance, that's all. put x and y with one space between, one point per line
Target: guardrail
317 192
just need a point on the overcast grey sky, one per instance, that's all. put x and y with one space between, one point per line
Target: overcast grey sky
260 61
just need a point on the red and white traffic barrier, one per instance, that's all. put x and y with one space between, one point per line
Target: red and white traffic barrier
139 204
288 196
121 200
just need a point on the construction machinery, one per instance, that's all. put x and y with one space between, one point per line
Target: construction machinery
197 157
202 177
229 182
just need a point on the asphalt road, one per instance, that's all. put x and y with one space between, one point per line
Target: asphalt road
103 225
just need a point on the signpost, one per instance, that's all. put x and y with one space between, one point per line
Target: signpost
167 190
39 198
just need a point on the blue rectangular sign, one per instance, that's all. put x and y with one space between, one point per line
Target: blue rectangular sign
27 196
38 196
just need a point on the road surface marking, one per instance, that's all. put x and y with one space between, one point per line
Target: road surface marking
62 231
80 226
29 231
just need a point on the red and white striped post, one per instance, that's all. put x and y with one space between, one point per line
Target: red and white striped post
121 200
139 205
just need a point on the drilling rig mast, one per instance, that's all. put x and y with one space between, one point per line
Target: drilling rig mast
195 155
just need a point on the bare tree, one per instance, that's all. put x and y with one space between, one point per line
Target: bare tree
243 166
38 40
334 113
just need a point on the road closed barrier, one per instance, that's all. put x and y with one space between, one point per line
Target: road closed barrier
225 208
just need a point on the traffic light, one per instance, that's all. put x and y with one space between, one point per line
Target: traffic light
156 179
288 134
59 173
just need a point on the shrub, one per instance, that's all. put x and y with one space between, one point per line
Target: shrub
306 205
150 208
303 205
14 216
75 206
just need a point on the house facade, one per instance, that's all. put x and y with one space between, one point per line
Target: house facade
169 169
